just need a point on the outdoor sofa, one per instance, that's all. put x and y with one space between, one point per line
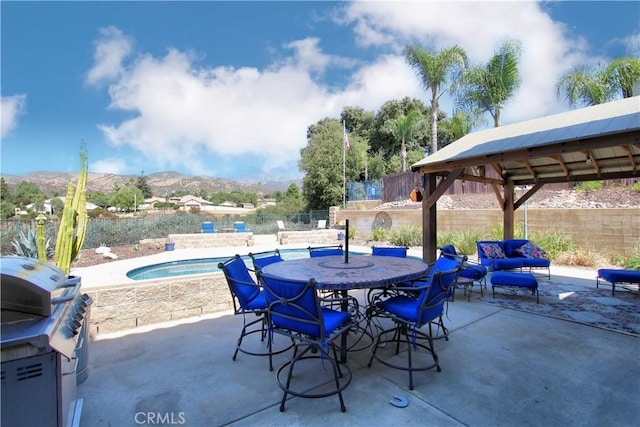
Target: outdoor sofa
512 254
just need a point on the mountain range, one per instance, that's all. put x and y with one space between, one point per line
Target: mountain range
161 183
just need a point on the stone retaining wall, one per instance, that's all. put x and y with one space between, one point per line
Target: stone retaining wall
329 236
127 306
211 240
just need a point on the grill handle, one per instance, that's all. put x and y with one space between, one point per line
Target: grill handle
71 281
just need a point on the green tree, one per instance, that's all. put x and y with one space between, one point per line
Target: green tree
321 160
382 140
143 184
623 74
377 166
460 124
403 128
360 122
27 192
584 86
292 200
5 193
488 87
7 209
99 198
57 205
435 70
127 198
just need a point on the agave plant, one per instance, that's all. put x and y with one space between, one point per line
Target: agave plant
26 244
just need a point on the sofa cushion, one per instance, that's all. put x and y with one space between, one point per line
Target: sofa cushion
491 250
531 250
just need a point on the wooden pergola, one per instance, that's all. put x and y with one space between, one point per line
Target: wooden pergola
594 143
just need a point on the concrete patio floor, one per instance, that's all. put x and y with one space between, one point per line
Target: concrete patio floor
501 367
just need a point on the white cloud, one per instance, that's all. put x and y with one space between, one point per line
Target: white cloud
184 113
111 165
110 50
632 44
479 27
12 108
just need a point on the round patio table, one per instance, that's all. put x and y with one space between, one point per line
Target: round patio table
361 271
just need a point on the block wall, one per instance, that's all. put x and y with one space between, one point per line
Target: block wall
609 231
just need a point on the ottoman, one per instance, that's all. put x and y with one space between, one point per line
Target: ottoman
614 277
516 280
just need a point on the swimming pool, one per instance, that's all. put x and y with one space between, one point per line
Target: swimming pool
203 265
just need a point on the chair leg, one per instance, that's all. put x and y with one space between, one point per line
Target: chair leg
409 351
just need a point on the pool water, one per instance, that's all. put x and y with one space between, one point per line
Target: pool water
203 265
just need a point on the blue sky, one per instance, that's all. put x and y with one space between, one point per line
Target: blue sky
228 89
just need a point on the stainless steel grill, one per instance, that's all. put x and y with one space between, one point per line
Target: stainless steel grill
41 319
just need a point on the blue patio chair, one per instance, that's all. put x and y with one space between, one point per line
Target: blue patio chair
374 295
262 259
295 311
471 272
207 227
240 227
410 313
248 298
325 251
396 251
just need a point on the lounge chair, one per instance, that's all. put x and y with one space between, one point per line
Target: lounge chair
208 227
240 227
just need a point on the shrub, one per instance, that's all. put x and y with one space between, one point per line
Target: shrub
406 235
554 243
496 232
379 234
579 257
629 263
463 241
589 186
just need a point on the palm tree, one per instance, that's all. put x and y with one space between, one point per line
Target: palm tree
435 70
404 127
624 74
583 86
488 87
461 123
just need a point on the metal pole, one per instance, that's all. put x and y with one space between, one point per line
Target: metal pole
344 165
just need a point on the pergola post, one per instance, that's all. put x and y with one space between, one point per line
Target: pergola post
429 219
508 210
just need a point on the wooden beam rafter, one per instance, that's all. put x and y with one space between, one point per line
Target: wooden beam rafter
632 159
563 165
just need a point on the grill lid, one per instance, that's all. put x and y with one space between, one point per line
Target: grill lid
29 285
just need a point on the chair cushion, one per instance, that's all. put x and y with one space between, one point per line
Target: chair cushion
535 262
406 308
491 250
507 263
332 320
523 280
258 303
475 272
615 276
530 250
